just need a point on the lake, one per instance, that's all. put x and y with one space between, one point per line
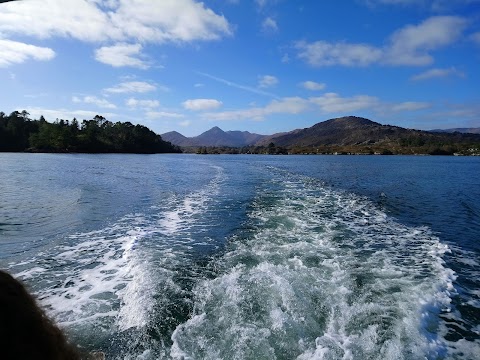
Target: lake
249 256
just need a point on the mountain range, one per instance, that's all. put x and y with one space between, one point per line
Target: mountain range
214 137
460 130
343 131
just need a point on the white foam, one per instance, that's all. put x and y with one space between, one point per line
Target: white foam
109 279
30 273
329 276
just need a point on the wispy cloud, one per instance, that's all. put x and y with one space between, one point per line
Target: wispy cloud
409 46
334 103
313 86
409 106
102 103
14 52
269 25
475 37
122 54
143 104
324 53
293 105
267 81
201 104
163 115
437 73
238 86
329 103
131 87
52 114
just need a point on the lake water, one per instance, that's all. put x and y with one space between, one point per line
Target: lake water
249 257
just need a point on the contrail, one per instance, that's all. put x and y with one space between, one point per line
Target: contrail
238 86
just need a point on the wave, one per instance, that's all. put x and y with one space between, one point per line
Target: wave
322 275
310 273
101 284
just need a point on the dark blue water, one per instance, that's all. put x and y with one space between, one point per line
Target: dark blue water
250 257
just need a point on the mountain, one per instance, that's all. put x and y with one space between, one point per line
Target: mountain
349 134
460 130
214 137
175 138
348 130
246 138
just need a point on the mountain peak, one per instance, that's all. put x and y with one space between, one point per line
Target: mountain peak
215 129
352 120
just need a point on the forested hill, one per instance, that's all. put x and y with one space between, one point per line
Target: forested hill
20 133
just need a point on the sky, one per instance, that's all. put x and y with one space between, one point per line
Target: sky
263 66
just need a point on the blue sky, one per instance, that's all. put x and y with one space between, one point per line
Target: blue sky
264 66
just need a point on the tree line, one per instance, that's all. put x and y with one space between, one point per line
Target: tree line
20 133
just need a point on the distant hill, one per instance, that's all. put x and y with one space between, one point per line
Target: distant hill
360 132
246 138
214 137
348 134
460 130
348 130
175 138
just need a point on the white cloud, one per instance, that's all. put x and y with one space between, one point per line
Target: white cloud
409 106
292 105
411 46
185 123
52 114
79 19
171 20
333 103
437 73
13 52
269 25
288 105
121 20
329 103
267 81
312 85
163 114
322 53
132 87
144 104
201 104
95 101
121 54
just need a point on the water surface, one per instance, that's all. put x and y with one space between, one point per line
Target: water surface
249 257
